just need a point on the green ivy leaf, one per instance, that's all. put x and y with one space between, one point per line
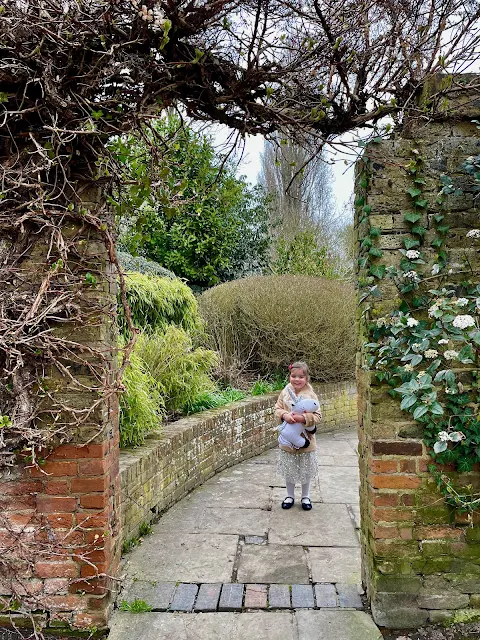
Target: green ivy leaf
376 252
377 270
410 243
422 203
414 192
440 446
411 216
375 232
418 230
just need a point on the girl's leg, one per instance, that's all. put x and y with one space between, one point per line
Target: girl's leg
306 502
306 489
290 489
290 499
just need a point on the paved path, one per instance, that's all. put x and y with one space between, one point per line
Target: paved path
229 562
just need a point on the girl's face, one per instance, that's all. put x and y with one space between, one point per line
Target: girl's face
298 379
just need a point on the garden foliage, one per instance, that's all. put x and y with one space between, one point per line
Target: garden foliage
158 302
261 324
182 205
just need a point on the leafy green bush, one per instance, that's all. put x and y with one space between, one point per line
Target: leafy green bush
215 399
181 372
140 405
262 386
261 324
158 302
140 264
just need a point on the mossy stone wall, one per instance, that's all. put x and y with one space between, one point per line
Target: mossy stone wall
421 559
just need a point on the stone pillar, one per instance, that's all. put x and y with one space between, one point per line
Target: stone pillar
421 558
59 534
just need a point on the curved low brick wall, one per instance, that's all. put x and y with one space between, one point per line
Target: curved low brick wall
188 452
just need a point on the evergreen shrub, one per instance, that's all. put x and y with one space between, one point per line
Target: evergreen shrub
262 323
157 302
140 264
181 372
141 404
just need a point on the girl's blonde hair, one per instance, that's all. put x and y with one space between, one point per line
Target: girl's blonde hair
299 364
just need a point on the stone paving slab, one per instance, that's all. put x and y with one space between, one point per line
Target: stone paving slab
326 525
205 626
326 596
232 494
335 625
251 473
272 563
327 446
255 596
184 597
208 596
340 484
231 597
197 518
279 596
348 596
335 564
302 596
157 595
179 557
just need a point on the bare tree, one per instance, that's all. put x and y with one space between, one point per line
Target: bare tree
300 186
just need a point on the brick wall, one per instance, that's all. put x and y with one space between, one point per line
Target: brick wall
188 452
59 523
421 560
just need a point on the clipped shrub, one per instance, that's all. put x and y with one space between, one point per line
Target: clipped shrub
141 404
158 302
262 323
140 264
180 371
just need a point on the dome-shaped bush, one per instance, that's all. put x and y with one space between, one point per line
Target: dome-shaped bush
262 323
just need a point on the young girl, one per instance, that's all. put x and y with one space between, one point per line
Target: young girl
298 465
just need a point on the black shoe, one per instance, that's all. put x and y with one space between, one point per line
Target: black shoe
288 503
306 504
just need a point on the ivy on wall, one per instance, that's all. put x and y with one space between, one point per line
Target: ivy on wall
426 348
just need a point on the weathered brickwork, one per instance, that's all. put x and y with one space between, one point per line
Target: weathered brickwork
421 560
188 452
64 516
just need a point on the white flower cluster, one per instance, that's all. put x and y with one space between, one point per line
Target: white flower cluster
461 302
412 254
431 353
463 322
156 15
411 275
382 322
473 233
455 436
450 354
432 309
412 322
443 341
408 367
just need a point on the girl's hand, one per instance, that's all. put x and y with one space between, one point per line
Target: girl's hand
299 417
288 417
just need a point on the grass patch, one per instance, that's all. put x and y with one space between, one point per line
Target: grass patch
136 606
